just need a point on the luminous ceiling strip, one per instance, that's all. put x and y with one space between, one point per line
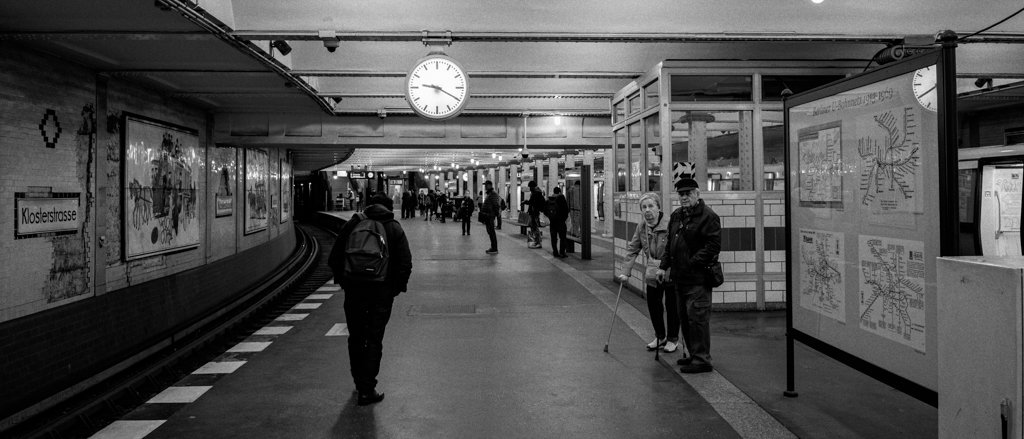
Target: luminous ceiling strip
313 35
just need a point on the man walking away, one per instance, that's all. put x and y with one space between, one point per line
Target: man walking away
537 204
558 212
490 207
694 240
372 263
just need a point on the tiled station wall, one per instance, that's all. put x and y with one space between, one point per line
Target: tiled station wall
739 255
60 322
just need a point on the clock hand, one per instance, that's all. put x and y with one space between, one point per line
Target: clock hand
438 88
927 91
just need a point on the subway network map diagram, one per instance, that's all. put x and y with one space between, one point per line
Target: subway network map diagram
892 289
890 153
822 287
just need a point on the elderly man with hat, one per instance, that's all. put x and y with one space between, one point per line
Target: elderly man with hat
694 240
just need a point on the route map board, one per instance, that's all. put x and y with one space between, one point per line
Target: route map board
822 286
863 227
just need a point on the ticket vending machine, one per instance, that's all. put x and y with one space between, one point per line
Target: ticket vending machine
1000 209
991 196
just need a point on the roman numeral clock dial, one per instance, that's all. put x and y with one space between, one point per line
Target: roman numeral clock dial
437 87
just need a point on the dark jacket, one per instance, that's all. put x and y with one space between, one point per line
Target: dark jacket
694 241
400 264
537 202
561 211
491 204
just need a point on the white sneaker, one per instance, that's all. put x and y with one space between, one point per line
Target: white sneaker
657 343
671 346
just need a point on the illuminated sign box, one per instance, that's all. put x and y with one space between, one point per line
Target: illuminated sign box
54 215
355 174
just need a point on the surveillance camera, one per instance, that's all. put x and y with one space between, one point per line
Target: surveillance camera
332 45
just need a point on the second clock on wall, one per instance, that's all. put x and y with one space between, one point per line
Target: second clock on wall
437 87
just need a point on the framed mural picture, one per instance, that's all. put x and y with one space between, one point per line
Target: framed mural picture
223 164
162 167
257 200
286 190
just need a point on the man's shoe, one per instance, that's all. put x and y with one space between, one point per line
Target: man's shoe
670 346
370 398
696 368
492 251
563 255
685 361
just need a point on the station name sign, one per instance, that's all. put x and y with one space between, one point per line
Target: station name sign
35 216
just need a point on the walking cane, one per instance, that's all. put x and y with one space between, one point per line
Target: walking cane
614 314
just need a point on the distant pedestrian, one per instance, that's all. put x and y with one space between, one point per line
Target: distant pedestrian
408 205
694 241
372 263
500 214
648 244
536 205
558 213
466 213
490 208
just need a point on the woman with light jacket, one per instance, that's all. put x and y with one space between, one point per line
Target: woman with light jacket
650 238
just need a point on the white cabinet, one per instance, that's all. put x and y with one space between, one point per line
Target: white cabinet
980 343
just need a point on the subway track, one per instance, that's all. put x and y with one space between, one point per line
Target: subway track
85 414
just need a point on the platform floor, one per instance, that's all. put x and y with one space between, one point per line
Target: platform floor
511 346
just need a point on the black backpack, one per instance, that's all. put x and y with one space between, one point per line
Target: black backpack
366 252
551 207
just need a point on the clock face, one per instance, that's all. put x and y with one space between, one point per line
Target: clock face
924 83
436 87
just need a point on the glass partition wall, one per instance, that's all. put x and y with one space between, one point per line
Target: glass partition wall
722 123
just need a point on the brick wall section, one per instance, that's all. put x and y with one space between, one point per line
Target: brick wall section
30 86
45 344
85 337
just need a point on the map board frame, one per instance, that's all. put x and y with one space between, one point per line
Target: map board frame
860 259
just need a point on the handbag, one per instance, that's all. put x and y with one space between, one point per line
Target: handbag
484 218
524 218
715 277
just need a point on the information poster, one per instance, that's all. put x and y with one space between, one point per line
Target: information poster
286 190
162 169
892 298
821 165
257 199
822 287
1006 193
864 228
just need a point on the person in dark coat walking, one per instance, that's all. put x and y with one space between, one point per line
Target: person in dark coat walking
694 241
408 205
491 206
558 213
466 213
537 203
368 303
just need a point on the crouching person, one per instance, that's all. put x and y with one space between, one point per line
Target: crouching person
372 263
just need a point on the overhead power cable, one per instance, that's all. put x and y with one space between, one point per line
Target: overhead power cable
992 26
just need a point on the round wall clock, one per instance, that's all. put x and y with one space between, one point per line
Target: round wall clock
924 83
437 87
